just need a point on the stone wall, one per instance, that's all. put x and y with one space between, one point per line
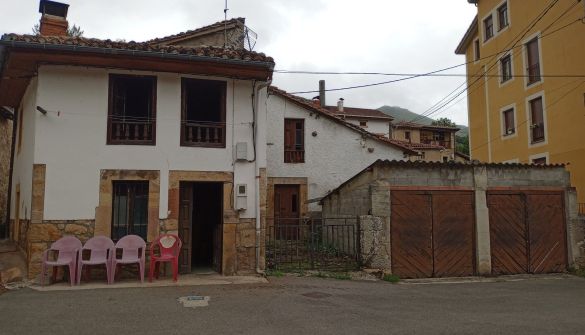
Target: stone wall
5 148
374 239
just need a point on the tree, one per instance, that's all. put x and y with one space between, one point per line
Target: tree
462 144
74 31
445 122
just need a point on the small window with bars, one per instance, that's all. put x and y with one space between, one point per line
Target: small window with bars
130 209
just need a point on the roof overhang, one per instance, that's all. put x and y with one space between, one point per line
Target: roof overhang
19 62
469 34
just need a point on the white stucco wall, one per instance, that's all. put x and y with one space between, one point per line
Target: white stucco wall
73 143
336 154
373 126
23 157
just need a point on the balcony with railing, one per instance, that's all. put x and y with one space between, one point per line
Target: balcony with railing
533 73
294 156
203 134
537 132
131 132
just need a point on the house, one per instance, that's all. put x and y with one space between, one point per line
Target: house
436 219
437 143
371 120
312 149
143 138
525 103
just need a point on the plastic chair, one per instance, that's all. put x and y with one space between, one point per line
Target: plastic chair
101 249
169 246
67 249
133 251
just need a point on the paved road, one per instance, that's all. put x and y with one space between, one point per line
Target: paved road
306 306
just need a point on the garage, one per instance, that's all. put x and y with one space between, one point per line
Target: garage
432 234
527 232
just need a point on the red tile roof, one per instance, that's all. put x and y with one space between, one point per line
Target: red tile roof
185 34
310 105
203 51
360 113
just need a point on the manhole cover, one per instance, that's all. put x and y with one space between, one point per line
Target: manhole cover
316 295
194 301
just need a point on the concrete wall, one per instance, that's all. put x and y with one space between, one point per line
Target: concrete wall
332 156
71 139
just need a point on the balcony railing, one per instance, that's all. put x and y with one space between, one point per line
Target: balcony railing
203 134
444 144
533 73
537 131
131 132
294 156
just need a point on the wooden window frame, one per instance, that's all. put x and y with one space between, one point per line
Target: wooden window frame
184 142
110 140
129 206
294 156
488 33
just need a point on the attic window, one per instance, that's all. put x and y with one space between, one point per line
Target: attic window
132 110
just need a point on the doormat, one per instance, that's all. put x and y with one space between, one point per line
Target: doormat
194 301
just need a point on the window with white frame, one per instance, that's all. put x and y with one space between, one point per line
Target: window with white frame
488 27
503 20
506 68
537 131
508 122
532 61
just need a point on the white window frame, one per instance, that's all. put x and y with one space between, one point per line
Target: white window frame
476 56
512 161
483 30
529 120
500 73
525 57
496 22
540 155
503 129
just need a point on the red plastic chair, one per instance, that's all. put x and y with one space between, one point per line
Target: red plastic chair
67 248
169 246
133 250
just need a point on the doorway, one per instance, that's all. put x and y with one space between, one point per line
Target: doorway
200 226
286 211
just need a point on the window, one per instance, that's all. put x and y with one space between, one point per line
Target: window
364 124
536 120
407 135
503 20
132 110
203 113
130 209
533 60
445 159
476 49
488 27
294 141
539 160
506 68
509 127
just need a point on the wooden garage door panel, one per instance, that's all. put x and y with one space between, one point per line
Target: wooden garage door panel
547 233
453 219
411 236
508 233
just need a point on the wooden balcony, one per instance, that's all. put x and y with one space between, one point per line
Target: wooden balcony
131 132
294 156
203 134
444 144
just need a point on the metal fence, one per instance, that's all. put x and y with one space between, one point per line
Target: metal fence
312 244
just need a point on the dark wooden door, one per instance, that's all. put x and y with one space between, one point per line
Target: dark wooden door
411 237
508 233
545 216
453 234
286 211
185 225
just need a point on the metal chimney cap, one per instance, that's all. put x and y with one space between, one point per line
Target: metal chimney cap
53 8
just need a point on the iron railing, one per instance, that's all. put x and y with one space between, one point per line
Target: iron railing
296 244
533 73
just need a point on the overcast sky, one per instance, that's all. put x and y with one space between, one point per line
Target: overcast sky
390 36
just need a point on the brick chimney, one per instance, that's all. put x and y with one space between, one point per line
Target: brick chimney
54 18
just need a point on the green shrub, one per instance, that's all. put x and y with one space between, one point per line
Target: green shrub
274 273
391 278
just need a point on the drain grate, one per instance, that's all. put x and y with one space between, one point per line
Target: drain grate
194 301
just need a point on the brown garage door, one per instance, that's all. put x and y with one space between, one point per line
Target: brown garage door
527 232
432 234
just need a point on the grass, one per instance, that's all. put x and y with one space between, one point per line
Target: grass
391 278
274 273
578 272
333 275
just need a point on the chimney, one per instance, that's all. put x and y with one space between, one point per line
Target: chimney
340 105
322 92
54 18
316 101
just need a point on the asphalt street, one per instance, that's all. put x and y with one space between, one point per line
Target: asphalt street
292 305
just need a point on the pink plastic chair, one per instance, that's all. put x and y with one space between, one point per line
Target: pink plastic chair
100 249
133 251
169 246
67 249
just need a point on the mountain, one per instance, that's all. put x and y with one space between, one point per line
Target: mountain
403 114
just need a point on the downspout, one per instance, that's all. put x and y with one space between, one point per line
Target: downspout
10 173
257 172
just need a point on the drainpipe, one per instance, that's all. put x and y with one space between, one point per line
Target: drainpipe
10 173
257 172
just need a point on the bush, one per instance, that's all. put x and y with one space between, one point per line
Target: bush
391 278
